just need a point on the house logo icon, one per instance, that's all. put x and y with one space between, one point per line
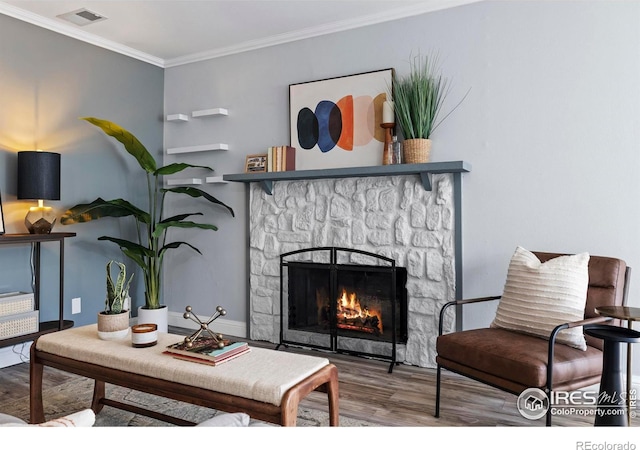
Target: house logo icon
533 403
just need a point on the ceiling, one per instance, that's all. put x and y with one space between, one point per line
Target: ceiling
169 33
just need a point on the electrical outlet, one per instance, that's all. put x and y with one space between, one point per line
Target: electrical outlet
76 305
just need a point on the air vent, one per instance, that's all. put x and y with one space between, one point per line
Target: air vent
82 17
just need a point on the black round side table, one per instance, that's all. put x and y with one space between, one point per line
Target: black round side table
611 409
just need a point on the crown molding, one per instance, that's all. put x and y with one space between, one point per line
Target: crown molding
334 27
70 31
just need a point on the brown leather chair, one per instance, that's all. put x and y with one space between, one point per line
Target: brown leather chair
513 361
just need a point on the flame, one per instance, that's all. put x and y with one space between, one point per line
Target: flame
351 312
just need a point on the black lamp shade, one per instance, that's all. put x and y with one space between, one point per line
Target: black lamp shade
38 176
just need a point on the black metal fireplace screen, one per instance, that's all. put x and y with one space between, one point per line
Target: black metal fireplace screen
329 302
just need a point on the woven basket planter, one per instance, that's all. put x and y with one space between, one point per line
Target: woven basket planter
416 151
113 326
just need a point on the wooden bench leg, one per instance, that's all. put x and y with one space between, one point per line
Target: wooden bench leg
98 395
36 408
326 379
332 393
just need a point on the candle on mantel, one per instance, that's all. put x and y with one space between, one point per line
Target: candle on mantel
387 112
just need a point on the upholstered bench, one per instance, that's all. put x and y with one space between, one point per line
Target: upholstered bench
266 384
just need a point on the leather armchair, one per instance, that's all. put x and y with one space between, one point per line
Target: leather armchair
513 361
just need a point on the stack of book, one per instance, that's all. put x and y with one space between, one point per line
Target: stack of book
205 350
281 158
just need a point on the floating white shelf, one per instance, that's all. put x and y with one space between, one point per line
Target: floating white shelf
215 180
177 118
210 112
183 181
197 148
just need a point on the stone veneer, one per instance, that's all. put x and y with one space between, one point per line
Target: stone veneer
392 216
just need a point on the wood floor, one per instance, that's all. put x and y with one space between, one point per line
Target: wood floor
368 392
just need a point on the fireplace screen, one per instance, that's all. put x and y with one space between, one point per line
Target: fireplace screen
327 304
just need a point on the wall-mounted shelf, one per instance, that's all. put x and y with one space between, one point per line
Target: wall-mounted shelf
183 181
210 112
197 148
215 180
425 170
177 118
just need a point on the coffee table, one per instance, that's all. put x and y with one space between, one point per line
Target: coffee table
266 384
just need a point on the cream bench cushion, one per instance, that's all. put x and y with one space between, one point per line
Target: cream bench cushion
262 374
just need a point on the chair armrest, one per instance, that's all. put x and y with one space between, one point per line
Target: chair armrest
552 343
461 302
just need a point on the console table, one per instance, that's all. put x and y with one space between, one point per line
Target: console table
36 240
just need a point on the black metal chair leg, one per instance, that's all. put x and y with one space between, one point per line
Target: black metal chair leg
437 414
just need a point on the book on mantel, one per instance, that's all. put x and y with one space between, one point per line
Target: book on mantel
205 350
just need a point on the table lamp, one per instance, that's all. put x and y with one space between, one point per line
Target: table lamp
39 179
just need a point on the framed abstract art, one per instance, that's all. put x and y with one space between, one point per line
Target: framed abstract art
335 122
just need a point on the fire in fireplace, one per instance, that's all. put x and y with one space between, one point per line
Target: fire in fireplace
343 301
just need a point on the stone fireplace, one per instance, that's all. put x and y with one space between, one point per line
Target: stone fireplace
412 220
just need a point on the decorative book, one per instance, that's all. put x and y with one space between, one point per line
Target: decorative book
205 350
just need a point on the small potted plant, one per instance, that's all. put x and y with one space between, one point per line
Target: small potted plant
113 322
418 99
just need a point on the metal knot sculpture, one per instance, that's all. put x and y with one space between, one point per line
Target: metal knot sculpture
204 326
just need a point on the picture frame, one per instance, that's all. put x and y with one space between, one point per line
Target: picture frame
1 216
335 122
256 163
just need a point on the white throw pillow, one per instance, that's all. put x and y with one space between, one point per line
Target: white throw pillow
539 296
84 418
227 420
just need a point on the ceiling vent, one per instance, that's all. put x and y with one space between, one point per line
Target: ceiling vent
82 17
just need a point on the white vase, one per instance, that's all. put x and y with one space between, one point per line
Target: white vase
159 316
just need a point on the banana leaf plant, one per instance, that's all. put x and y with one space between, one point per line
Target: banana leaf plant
149 250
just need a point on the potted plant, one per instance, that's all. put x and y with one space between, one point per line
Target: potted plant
418 99
152 244
113 322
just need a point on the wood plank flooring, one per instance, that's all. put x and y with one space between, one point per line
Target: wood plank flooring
404 398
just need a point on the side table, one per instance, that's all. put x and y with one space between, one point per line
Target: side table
630 315
611 381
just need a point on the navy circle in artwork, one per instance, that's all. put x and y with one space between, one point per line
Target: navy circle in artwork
307 128
329 125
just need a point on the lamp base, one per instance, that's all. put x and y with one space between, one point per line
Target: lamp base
40 220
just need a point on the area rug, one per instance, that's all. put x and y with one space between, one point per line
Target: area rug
75 395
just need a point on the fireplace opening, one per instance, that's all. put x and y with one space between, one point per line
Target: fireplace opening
336 303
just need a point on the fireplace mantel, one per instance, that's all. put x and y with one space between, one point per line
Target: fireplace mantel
425 170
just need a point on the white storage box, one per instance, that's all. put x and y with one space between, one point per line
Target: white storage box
19 324
16 303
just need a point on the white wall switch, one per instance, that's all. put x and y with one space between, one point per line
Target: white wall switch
76 305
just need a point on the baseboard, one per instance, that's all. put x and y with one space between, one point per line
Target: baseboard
220 325
14 354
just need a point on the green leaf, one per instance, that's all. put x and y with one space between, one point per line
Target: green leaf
195 192
177 167
99 208
180 224
132 247
130 142
176 245
179 217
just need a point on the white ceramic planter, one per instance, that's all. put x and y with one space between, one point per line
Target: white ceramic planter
158 316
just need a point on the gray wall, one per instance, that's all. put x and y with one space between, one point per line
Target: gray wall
550 127
48 81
